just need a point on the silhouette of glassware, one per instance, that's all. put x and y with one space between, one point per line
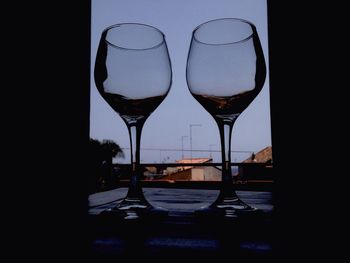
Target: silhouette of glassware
225 71
133 74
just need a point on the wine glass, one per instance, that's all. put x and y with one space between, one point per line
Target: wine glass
133 74
225 72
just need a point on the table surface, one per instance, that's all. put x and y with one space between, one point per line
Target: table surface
181 234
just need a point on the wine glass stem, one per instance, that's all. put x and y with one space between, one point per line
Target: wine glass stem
135 189
227 187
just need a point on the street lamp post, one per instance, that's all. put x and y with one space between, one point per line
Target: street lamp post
182 145
192 125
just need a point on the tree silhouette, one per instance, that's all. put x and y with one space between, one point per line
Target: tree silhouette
101 157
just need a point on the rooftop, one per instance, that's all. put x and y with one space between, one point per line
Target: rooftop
263 156
193 160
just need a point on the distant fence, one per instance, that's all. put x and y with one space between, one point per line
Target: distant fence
165 155
245 171
247 176
162 167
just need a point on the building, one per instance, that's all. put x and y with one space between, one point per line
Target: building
263 156
192 173
261 171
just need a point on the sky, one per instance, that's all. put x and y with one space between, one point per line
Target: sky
170 122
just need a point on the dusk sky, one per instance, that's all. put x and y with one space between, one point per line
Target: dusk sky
171 120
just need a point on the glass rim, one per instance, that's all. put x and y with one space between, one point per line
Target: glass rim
228 43
139 24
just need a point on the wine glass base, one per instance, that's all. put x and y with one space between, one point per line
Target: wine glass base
135 209
229 209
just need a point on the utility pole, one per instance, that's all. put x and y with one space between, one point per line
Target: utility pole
210 145
192 125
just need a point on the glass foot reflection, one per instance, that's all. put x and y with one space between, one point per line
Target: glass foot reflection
134 209
230 209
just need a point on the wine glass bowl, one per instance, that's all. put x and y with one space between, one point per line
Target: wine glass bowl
225 72
133 74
